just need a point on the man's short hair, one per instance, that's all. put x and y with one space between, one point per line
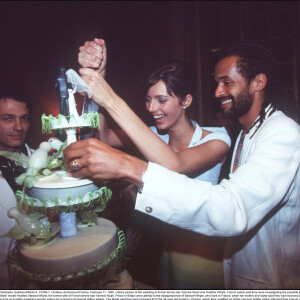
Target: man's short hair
15 92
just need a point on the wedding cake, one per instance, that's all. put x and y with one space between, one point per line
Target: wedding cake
60 240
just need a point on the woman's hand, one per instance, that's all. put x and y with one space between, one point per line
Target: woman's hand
103 94
93 54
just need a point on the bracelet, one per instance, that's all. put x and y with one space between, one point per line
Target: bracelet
140 190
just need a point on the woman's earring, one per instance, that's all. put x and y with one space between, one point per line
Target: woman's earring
184 107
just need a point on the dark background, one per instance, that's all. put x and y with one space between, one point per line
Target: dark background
37 37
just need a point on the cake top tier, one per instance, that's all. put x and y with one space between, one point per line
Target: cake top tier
60 179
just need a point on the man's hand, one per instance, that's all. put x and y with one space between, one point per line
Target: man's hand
93 54
97 160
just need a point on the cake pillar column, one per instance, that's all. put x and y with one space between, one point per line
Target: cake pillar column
68 224
71 135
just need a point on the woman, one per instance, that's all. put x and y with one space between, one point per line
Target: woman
182 146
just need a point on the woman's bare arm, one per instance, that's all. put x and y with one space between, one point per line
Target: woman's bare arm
201 157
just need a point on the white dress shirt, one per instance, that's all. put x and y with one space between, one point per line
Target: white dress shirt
258 208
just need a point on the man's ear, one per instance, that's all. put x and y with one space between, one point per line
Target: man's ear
187 101
259 82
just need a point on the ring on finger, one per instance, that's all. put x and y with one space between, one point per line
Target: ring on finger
75 165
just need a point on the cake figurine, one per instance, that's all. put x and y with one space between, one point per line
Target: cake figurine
71 120
32 228
60 241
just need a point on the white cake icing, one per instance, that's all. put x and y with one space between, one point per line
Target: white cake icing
61 189
60 179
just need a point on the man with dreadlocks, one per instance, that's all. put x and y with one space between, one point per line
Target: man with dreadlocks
257 208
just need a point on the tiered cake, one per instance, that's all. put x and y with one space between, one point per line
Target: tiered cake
60 240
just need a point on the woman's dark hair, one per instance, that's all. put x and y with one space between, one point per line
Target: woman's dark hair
253 60
179 77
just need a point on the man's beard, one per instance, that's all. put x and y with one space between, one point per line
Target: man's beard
241 104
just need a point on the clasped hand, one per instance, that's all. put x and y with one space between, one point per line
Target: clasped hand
93 54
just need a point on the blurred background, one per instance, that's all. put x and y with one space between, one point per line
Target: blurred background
38 37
